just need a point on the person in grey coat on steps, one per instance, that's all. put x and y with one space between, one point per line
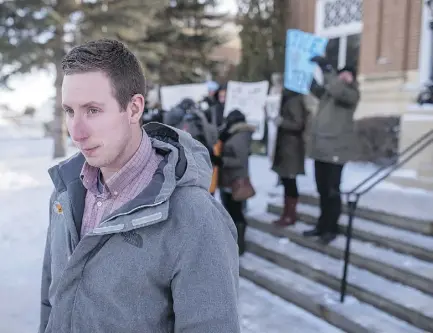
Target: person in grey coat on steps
135 241
236 140
289 156
332 142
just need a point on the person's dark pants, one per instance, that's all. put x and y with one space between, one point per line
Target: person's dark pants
328 179
235 209
290 187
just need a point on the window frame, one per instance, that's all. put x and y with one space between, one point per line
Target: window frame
342 31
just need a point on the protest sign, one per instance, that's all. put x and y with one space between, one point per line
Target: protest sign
273 105
299 70
250 99
173 95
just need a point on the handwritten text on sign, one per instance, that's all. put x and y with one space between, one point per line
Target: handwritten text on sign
250 99
172 95
300 48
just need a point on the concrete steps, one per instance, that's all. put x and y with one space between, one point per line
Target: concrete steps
399 240
382 217
353 316
282 261
264 312
384 262
390 281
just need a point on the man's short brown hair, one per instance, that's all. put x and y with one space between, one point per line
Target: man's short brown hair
112 58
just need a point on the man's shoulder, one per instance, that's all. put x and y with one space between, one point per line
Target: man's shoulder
194 205
195 214
187 197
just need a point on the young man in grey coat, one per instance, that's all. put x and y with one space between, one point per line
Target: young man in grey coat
135 241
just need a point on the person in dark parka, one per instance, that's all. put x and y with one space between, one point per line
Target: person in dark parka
289 153
236 140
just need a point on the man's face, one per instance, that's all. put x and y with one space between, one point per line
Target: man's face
222 96
95 121
346 76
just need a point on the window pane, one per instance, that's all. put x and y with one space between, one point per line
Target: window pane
353 48
332 51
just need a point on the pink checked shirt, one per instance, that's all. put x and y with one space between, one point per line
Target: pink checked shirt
122 187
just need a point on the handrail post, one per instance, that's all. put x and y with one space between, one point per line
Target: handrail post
352 203
353 195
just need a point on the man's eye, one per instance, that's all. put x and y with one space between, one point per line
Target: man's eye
93 111
69 112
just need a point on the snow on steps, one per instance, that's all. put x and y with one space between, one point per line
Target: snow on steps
398 300
403 241
422 225
264 312
395 266
352 316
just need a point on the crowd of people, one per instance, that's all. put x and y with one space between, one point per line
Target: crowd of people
227 139
330 144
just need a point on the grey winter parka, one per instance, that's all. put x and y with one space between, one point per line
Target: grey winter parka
167 261
332 131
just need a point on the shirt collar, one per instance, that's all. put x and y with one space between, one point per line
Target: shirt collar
125 176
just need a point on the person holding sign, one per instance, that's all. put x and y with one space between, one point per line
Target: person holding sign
289 153
332 141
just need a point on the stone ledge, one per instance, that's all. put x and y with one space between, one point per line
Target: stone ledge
424 183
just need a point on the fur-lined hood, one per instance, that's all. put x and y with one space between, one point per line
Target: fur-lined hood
242 127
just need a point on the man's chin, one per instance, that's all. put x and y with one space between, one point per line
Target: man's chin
93 161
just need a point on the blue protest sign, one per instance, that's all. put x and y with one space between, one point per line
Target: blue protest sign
300 48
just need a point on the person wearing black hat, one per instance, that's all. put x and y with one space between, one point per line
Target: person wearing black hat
236 139
332 141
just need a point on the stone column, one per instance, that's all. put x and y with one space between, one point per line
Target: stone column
418 119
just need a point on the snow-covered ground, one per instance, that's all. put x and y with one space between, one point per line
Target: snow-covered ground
20 128
24 191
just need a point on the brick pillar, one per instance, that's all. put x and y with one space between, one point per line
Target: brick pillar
390 38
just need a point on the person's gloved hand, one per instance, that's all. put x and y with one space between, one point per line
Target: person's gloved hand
278 120
314 84
322 63
217 160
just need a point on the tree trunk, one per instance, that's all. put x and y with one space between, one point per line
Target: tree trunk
282 10
59 130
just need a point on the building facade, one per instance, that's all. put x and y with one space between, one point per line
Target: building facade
386 40
390 44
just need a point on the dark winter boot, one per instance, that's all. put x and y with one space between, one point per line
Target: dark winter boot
289 213
312 233
320 227
241 227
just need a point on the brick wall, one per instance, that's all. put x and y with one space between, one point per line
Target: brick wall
301 14
391 36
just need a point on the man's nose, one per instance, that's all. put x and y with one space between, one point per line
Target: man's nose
78 129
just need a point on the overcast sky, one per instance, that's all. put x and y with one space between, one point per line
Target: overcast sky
229 5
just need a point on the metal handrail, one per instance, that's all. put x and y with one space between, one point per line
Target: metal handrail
354 194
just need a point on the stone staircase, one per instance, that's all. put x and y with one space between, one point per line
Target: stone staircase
390 281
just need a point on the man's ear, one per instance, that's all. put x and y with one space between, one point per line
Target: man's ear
136 108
